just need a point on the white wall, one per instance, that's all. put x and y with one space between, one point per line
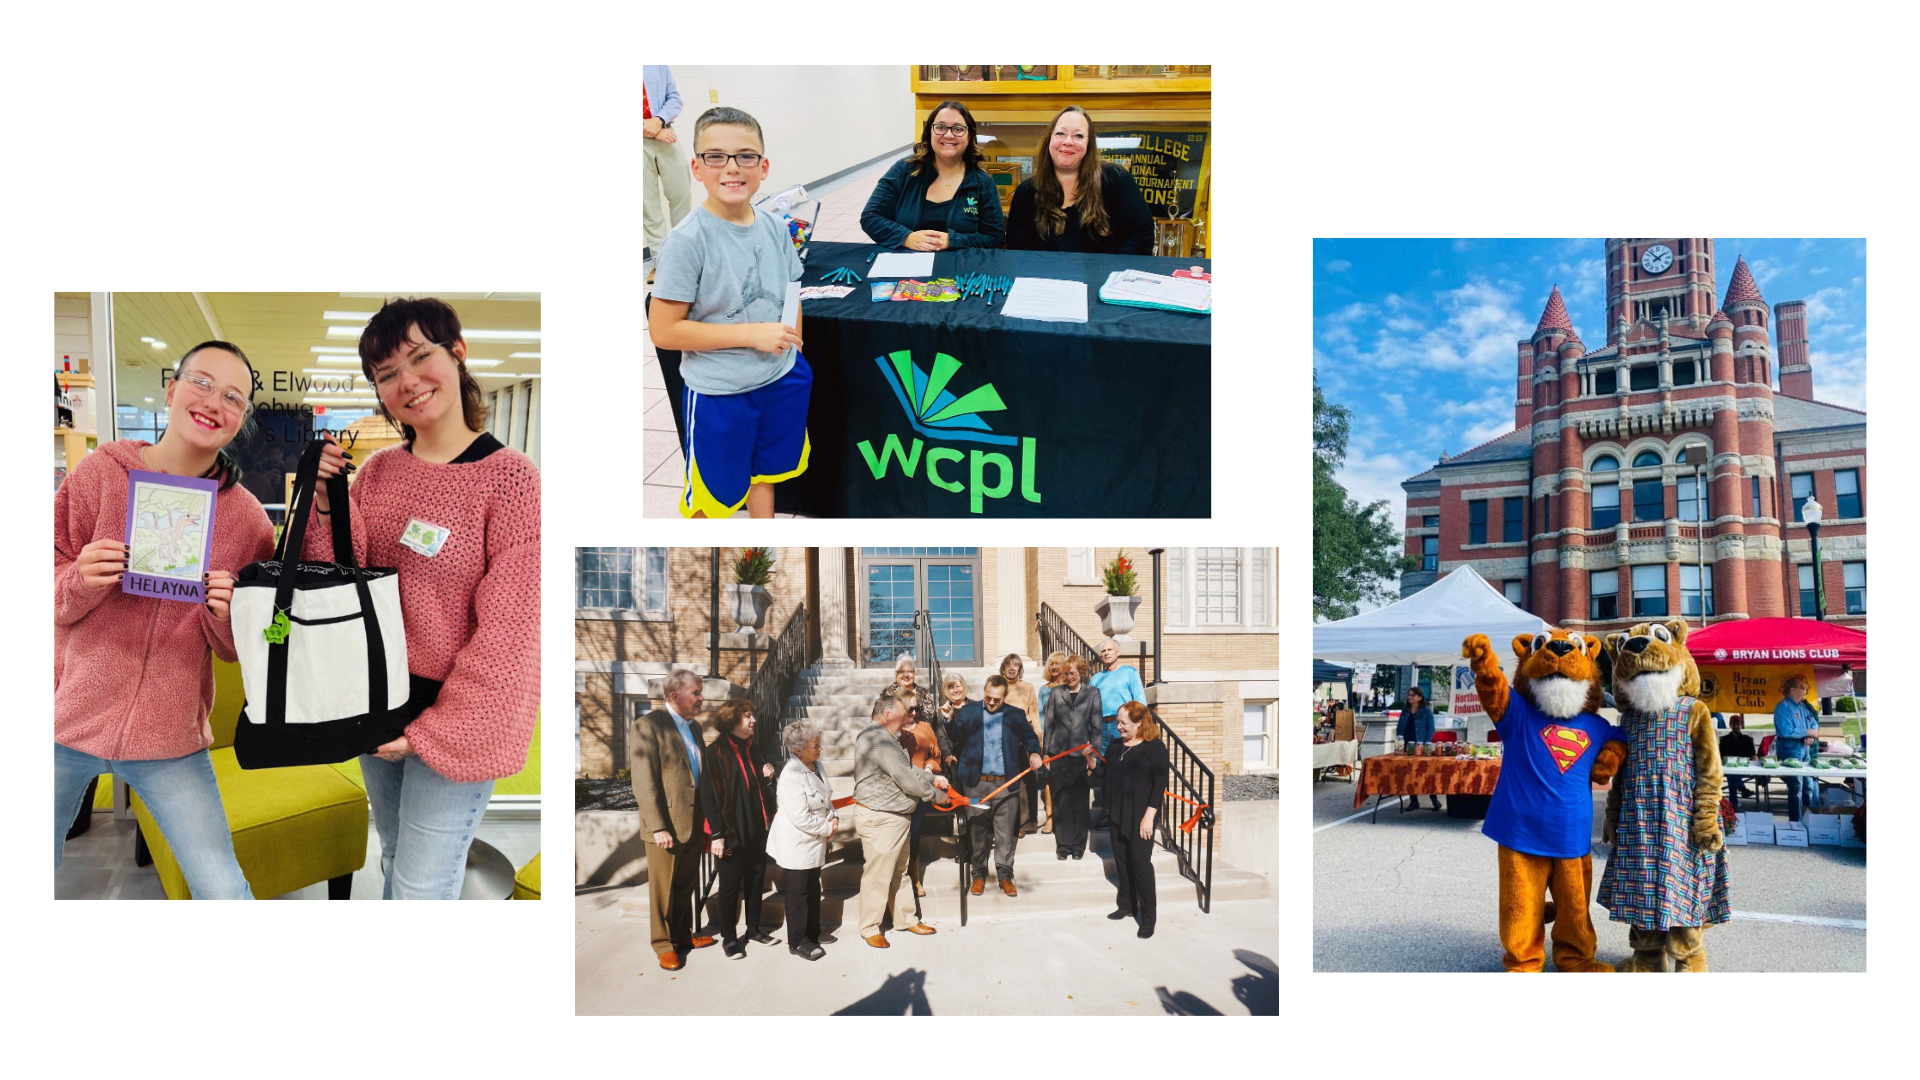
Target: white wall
817 120
73 330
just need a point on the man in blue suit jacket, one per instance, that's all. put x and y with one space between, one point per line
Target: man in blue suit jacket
991 738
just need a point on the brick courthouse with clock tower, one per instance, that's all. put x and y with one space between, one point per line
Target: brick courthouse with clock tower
1586 515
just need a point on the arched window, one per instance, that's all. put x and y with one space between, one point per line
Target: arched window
1605 463
1645 459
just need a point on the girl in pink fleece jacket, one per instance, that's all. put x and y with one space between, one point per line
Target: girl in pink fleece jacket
458 515
132 676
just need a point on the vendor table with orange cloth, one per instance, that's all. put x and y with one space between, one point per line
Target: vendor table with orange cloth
1407 774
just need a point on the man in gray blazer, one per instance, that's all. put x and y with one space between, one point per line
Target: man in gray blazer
664 757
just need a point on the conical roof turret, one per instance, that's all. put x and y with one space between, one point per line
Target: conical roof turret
1742 286
1555 316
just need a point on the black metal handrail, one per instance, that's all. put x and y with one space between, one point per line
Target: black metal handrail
771 684
1187 775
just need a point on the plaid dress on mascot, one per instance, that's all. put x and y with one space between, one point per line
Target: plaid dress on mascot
1556 747
1667 876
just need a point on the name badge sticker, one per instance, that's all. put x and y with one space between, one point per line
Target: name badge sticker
424 537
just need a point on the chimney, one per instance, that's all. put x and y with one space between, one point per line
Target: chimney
1796 369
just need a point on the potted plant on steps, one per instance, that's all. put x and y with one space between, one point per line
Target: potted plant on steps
1117 607
751 572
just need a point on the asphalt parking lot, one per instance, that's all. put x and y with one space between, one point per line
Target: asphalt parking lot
1418 892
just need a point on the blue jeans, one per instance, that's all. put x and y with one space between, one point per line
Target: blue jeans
426 824
185 802
1801 790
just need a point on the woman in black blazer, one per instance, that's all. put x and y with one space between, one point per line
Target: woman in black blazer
1133 778
1076 202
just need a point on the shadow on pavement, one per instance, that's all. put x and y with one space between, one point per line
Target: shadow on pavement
904 994
1259 992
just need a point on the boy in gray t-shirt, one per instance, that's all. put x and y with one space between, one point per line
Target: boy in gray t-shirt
719 288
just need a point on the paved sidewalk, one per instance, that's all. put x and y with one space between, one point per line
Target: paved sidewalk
1059 963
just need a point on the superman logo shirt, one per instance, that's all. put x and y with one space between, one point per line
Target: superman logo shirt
1543 804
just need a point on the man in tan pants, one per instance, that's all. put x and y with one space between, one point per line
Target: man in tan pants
885 788
661 171
664 756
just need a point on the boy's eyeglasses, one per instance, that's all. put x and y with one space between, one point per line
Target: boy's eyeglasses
943 129
714 159
231 399
384 379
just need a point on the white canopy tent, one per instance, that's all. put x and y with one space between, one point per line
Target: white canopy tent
1427 627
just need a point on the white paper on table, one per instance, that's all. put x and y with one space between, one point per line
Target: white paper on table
1046 300
1141 287
907 264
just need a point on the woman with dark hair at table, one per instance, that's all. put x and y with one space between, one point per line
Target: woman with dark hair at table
1076 202
1416 726
938 197
1134 780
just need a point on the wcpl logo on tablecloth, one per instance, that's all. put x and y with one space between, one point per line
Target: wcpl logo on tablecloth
936 412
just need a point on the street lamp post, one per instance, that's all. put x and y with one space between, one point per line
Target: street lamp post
1158 663
1810 512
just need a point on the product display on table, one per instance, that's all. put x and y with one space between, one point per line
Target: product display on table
322 645
1667 875
1556 746
841 274
825 292
169 535
1025 423
939 290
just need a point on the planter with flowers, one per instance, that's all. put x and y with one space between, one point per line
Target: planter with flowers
1117 607
751 572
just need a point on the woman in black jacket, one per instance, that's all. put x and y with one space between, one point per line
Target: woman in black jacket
1133 780
937 197
737 791
1075 202
1073 717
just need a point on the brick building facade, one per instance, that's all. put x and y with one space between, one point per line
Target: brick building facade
1586 513
642 612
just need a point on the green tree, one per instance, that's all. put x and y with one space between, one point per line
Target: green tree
1357 552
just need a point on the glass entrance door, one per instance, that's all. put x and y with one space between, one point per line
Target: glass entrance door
899 581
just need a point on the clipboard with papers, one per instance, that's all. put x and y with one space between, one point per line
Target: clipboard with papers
1138 288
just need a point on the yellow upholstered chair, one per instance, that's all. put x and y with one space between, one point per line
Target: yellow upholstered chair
291 827
526 883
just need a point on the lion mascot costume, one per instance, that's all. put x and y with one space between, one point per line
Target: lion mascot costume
1667 876
1557 747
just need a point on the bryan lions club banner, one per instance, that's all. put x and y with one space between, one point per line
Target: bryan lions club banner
1748 688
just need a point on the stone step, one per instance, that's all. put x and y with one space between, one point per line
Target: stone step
851 701
1041 887
828 712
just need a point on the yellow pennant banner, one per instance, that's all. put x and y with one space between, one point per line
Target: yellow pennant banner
1748 688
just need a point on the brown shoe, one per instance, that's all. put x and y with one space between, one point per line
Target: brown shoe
878 941
1006 886
700 942
979 886
922 929
670 961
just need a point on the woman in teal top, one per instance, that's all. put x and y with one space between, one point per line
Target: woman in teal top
1796 737
937 197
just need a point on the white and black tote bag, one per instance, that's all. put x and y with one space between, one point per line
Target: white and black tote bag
323 650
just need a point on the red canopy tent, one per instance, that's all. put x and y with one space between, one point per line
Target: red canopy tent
1779 641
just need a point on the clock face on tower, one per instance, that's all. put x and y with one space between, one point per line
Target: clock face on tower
1656 259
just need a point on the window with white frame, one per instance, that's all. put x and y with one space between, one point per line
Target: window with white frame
1256 740
621 579
1080 567
1220 587
1854 576
1690 582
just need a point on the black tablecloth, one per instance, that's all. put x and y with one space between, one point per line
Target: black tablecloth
1107 418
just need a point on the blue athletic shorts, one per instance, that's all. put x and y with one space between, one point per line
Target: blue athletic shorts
735 441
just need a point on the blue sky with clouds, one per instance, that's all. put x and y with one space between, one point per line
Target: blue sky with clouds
1418 337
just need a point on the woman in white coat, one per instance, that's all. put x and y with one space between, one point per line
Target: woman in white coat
797 839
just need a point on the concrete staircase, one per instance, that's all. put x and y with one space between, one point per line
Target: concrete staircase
841 700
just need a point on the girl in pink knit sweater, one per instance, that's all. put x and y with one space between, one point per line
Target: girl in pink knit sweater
132 677
458 515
